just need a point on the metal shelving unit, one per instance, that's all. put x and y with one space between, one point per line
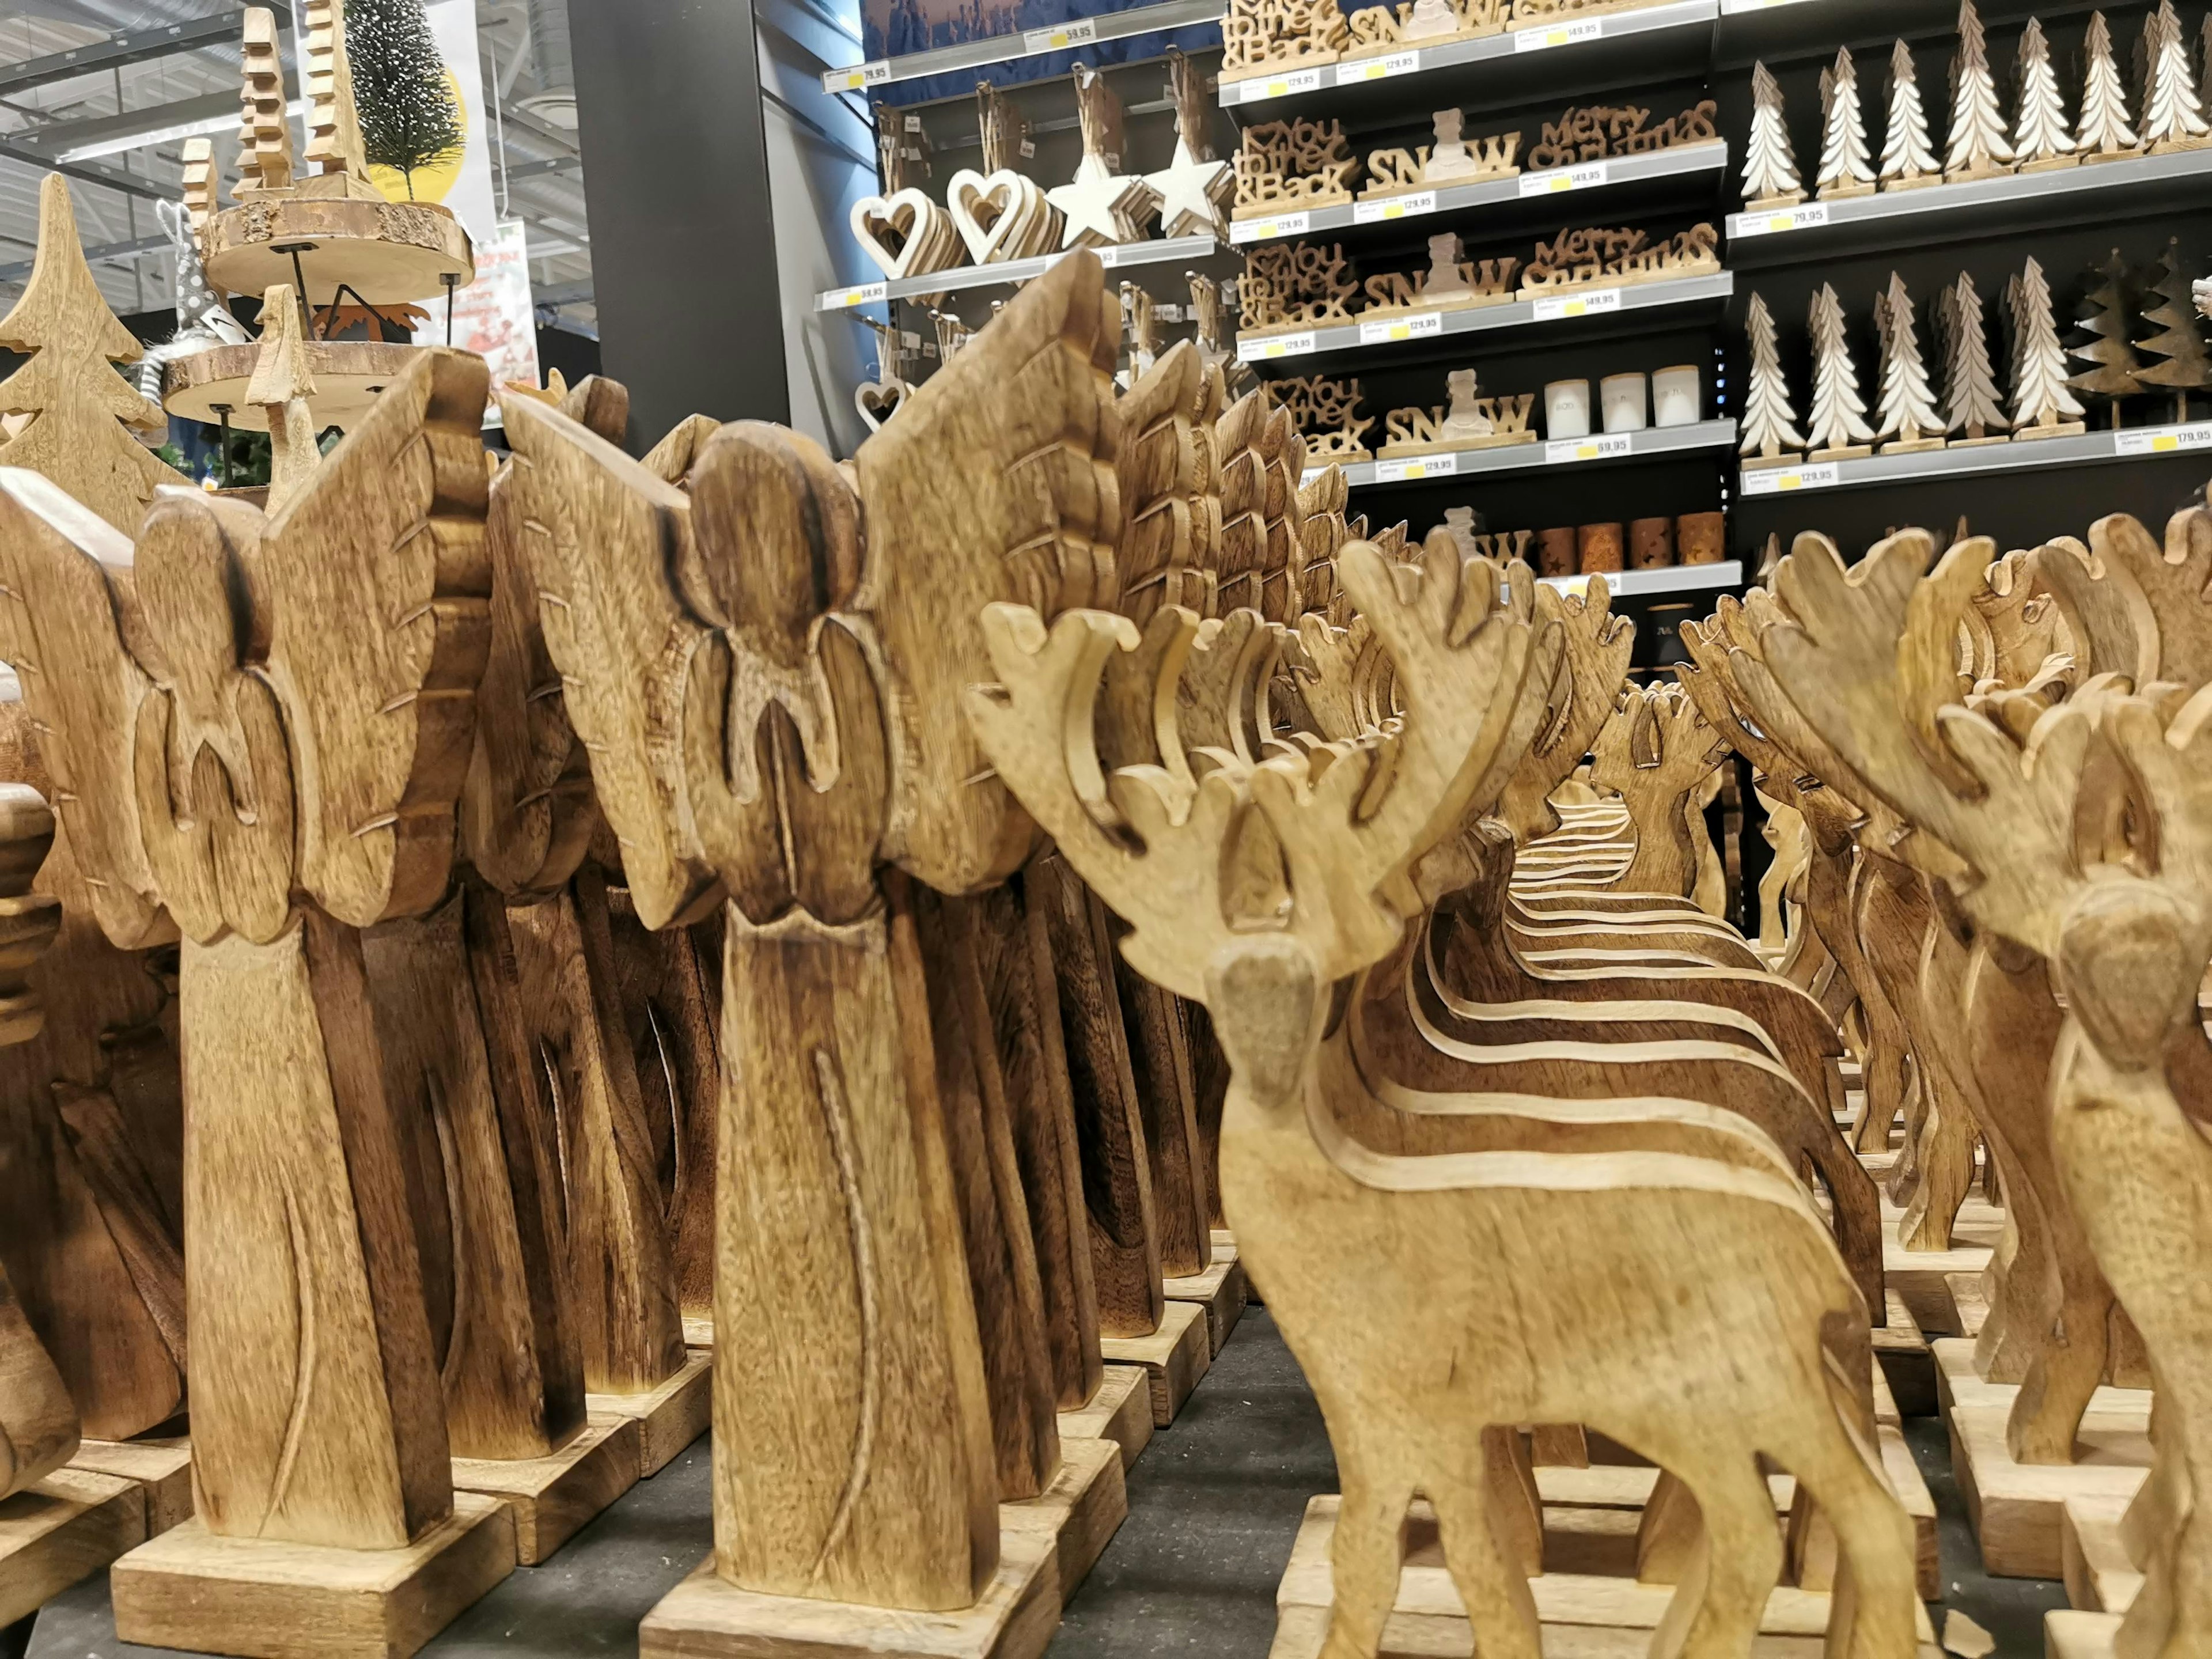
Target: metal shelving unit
1471 70
1028 43
1686 159
1589 302
1777 234
1564 451
961 278
2090 449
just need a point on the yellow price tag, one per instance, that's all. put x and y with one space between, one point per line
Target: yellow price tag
1277 88
2164 441
1577 586
1789 481
1780 222
1555 37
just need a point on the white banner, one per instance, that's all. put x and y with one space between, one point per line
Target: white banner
463 183
494 316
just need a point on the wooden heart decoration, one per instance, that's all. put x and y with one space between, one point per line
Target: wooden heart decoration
1010 238
885 229
878 400
980 205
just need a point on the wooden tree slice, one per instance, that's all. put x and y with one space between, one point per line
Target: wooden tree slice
349 376
385 251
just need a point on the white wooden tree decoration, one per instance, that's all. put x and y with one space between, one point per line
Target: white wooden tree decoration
1977 145
1771 437
2107 318
1844 167
2105 132
1973 411
1839 430
2178 340
2173 115
2041 140
1909 420
1194 187
1770 169
2042 407
1908 160
1102 206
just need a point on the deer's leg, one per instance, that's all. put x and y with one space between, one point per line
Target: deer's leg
1485 1550
1877 1576
1731 1570
1946 1164
2067 1363
1365 1558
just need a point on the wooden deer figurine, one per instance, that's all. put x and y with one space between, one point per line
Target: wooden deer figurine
1655 753
262 724
2081 844
1385 1337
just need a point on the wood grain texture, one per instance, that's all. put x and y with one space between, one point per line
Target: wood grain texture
1159 1056
1117 1181
477 1134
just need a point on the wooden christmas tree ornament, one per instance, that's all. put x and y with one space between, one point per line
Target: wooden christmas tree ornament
1907 160
2178 337
1909 417
1837 431
2041 140
1972 409
2173 113
1770 170
1770 427
2105 134
1844 168
2041 401
2111 370
1977 147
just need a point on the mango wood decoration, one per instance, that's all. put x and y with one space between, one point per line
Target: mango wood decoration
1254 885
2065 833
60 1523
80 406
768 702
272 807
1653 753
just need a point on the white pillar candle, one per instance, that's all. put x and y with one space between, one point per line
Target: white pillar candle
1674 396
1621 399
1566 409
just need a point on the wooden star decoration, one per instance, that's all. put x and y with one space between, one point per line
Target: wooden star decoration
1191 193
1101 207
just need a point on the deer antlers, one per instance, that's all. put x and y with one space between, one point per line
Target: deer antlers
1315 842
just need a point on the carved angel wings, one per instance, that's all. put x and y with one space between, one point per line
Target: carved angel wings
240 707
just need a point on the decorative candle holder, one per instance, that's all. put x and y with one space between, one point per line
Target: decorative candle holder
1675 398
1701 538
1623 401
1555 551
1566 409
1600 549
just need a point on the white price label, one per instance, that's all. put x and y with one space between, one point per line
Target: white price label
1274 346
1428 466
1578 587
1282 86
1552 181
1310 475
859 75
1806 216
1397 207
1550 308
1779 480
1559 34
844 299
1598 447
1419 326
2162 441
1379 69
1266 230
1059 35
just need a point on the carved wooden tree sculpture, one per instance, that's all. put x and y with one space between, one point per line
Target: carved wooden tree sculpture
770 715
2084 846
1385 1339
1653 753
261 723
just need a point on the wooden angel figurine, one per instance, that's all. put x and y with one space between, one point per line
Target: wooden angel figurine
882 1382
268 808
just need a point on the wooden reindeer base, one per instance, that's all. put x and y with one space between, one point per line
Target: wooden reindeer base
1221 1290
1120 1411
1173 1357
669 1418
1081 1509
552 1497
1594 1616
1904 1361
1923 1278
161 1468
350 375
2018 1509
267 1600
2074 1635
60 1529
1495 440
699 1332
2100 1577
707 1617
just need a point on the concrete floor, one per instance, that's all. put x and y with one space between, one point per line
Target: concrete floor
1213 1505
